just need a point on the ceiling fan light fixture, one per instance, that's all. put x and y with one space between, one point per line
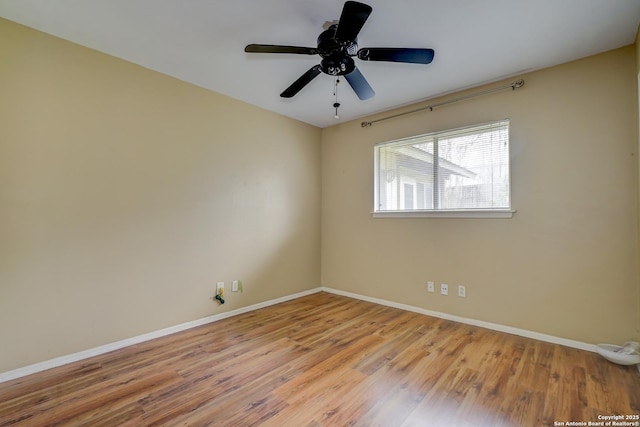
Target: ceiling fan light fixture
336 65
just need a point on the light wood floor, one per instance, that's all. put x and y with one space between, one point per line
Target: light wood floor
327 360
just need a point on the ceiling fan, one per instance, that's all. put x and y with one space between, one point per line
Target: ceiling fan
337 46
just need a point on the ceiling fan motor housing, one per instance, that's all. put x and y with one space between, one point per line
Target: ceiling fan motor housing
336 55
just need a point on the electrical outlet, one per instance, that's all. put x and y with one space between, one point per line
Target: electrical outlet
431 287
444 289
234 286
462 291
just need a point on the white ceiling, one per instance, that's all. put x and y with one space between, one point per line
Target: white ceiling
202 42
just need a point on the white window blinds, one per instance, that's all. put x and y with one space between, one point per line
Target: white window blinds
461 169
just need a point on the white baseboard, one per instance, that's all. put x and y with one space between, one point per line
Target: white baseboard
493 326
63 360
96 351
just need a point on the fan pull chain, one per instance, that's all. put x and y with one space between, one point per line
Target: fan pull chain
336 104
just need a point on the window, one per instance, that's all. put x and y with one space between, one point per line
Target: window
460 172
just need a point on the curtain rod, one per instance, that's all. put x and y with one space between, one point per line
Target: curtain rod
513 86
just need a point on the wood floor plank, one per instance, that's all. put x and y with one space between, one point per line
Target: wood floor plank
330 368
326 360
198 388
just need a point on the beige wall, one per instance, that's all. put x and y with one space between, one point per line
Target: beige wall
126 194
566 264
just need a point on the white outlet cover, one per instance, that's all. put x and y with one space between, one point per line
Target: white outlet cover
462 291
444 289
431 287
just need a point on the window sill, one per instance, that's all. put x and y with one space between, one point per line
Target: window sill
506 213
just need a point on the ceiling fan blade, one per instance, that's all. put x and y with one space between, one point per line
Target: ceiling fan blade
304 80
353 17
359 84
413 56
271 48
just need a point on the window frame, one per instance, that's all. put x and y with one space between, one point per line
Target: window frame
439 213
